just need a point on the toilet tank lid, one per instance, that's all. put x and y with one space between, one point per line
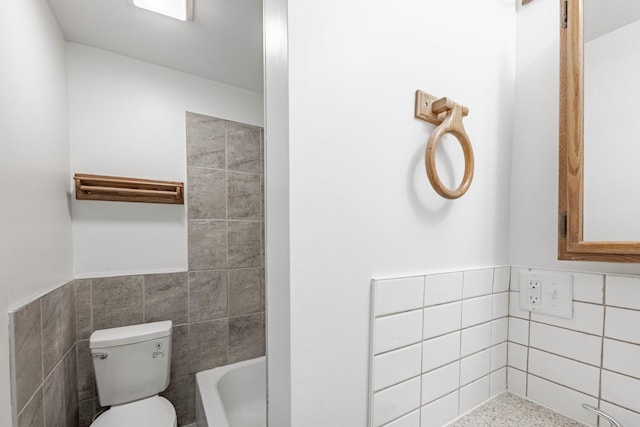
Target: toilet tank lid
129 334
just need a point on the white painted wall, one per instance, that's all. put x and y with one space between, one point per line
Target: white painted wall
360 203
612 88
534 198
127 118
35 224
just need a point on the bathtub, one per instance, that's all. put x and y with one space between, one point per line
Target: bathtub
233 395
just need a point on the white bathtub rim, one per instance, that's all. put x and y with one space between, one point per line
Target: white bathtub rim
207 384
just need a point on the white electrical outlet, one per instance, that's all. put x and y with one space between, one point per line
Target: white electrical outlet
547 293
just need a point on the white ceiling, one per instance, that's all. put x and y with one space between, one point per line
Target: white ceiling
603 16
223 43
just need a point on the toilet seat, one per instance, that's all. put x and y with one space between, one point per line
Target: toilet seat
154 411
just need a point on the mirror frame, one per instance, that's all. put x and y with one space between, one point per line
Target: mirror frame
571 243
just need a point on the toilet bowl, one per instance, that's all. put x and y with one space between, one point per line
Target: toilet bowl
132 366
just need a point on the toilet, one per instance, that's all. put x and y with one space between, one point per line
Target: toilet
132 365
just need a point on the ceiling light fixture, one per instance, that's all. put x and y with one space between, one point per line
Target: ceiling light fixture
178 9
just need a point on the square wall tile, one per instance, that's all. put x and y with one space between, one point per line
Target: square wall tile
572 374
476 310
207 244
475 366
396 401
246 337
396 366
398 295
439 382
476 339
86 380
208 345
244 152
182 395
398 330
117 301
54 398
27 340
206 193
441 411
207 295
245 243
33 414
442 288
69 316
244 196
477 283
623 291
166 297
245 291
205 141
442 319
440 351
180 351
474 394
574 345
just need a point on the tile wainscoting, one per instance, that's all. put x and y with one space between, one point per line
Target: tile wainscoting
593 358
217 307
439 346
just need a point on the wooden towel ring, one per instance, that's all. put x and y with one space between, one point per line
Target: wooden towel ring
431 110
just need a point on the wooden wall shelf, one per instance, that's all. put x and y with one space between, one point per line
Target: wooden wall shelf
120 189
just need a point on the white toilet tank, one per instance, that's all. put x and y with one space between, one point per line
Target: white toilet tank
131 362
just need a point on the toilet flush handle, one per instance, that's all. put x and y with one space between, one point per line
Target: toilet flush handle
100 356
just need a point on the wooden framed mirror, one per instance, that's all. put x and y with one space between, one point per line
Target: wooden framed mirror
580 111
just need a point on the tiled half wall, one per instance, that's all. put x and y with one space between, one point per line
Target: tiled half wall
593 358
438 346
217 307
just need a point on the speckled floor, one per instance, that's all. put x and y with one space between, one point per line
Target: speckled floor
508 410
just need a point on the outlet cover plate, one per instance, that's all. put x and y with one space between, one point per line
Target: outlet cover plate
555 293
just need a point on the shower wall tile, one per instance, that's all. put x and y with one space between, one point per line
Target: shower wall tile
206 193
117 301
208 345
244 148
166 297
207 243
244 196
246 337
207 295
245 291
245 243
206 141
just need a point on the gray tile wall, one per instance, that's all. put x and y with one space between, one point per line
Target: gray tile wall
217 307
44 372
